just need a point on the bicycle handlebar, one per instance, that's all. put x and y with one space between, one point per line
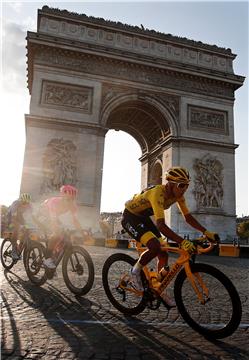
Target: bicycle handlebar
201 242
201 245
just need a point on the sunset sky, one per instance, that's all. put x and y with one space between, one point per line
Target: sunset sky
221 23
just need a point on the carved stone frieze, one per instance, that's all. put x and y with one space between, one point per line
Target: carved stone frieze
138 44
112 92
208 183
59 165
145 74
172 103
207 119
57 95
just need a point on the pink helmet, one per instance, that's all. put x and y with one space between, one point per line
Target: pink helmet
68 190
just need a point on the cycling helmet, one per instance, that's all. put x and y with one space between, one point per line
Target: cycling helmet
178 174
68 190
26 198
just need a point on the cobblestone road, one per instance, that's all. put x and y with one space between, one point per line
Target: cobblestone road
51 323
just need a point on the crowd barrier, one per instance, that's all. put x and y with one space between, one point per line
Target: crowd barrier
223 250
229 250
118 243
110 243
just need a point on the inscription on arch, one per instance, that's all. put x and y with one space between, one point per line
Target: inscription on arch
207 119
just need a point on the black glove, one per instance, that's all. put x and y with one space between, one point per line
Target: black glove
211 236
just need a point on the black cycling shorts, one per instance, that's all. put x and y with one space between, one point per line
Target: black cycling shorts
137 226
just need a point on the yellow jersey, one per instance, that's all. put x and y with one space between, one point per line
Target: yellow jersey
152 201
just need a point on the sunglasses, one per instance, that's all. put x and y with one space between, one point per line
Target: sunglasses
180 185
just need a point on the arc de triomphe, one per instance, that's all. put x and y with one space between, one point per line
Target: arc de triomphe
173 95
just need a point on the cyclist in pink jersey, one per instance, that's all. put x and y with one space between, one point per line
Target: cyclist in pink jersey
49 215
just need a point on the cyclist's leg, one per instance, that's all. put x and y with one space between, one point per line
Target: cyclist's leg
22 233
14 228
49 260
161 255
46 227
142 229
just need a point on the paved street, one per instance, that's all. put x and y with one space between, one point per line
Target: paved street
51 323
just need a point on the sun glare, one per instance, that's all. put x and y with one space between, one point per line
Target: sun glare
11 146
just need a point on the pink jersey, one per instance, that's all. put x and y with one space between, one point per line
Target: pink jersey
57 206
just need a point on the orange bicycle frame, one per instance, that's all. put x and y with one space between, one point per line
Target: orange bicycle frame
182 260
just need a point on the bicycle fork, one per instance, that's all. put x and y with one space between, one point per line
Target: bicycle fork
197 284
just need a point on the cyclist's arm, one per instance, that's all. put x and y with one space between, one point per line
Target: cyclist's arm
166 231
189 218
194 223
157 202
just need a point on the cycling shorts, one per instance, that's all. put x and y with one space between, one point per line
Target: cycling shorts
140 228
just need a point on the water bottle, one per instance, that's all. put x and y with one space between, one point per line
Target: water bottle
153 277
163 272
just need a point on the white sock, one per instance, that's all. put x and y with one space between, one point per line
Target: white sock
137 268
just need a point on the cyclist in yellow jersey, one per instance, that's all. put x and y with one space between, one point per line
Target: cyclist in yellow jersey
153 201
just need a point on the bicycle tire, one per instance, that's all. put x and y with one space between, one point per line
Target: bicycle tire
25 254
4 255
70 257
221 321
36 253
115 258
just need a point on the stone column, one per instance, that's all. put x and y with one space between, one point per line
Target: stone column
58 154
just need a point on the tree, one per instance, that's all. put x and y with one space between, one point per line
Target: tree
243 229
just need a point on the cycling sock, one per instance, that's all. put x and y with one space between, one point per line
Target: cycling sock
137 268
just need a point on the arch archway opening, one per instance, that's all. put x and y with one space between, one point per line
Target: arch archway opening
156 174
121 170
142 121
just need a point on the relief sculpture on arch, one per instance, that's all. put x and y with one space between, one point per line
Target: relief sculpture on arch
208 182
59 165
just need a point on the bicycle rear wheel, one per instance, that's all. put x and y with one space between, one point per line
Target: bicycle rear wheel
6 254
78 270
221 314
34 266
115 277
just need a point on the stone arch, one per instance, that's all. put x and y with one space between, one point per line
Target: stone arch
156 173
158 105
87 75
143 117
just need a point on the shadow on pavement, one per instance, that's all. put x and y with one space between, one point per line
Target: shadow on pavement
63 325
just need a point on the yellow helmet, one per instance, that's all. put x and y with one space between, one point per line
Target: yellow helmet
26 198
178 174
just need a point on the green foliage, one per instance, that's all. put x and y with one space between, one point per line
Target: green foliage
243 229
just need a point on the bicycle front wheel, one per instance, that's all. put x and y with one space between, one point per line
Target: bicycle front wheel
78 270
116 282
6 254
35 269
220 314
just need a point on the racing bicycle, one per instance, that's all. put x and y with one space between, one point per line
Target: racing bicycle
77 264
205 297
29 235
